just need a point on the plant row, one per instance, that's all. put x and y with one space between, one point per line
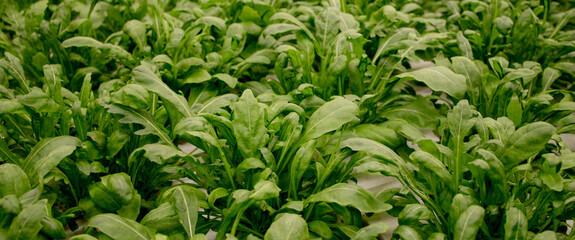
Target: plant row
285 104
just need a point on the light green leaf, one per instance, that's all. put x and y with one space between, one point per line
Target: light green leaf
196 76
277 28
39 101
468 223
81 42
407 233
464 45
13 180
47 154
413 213
329 117
553 180
515 224
28 223
373 148
229 80
371 231
163 218
354 196
440 78
288 227
263 190
137 31
547 235
119 228
83 237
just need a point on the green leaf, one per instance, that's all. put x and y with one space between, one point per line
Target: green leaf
5 153
464 45
287 227
142 118
39 101
83 237
437 236
320 228
13 180
467 68
119 228
145 76
53 228
406 233
28 223
14 68
288 17
119 185
137 31
249 125
547 235
549 76
158 153
440 78
81 42
103 198
413 213
383 135
329 117
186 204
468 223
196 76
432 164
515 224
229 80
47 154
132 209
553 181
420 113
263 190
215 104
373 148
163 218
354 196
278 28
525 142
132 95
371 231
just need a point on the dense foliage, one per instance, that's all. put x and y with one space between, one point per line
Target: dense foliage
284 104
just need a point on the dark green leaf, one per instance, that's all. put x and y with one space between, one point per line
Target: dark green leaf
249 125
525 142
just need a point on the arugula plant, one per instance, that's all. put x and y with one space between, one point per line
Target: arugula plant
519 31
484 179
262 160
524 93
